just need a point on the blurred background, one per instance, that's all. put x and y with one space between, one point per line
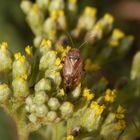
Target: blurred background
14 30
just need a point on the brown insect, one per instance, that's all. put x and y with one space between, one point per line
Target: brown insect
73 67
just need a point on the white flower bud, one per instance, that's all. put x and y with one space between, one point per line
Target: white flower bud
56 5
43 85
43 4
4 92
76 92
53 103
29 100
66 109
41 110
20 87
40 98
26 6
51 116
5 58
47 60
33 118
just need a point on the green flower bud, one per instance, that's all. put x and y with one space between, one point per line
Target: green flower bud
56 5
37 40
32 108
135 72
40 97
66 109
51 116
29 100
47 60
26 6
5 58
35 19
54 75
53 103
20 87
49 27
43 85
110 127
76 92
4 92
41 110
43 4
20 66
32 118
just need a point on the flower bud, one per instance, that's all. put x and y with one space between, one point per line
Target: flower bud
56 5
32 118
66 109
43 4
35 19
51 116
40 97
29 100
53 103
47 60
5 58
4 92
20 66
135 72
20 87
43 85
26 6
41 110
76 92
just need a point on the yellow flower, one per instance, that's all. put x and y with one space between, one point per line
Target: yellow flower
20 57
110 95
4 45
61 92
87 94
47 43
109 18
56 14
91 11
98 108
72 1
120 125
70 137
58 63
35 8
89 66
29 51
119 114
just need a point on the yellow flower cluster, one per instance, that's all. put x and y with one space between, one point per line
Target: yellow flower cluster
45 43
120 113
90 11
110 95
56 14
20 57
89 66
120 125
29 51
70 137
98 108
4 45
87 94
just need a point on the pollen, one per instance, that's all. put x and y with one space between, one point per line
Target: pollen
98 108
20 57
72 1
87 94
29 51
120 125
47 43
4 45
70 137
56 14
35 8
61 92
110 95
90 11
109 18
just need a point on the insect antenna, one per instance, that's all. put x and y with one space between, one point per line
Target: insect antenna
85 42
70 38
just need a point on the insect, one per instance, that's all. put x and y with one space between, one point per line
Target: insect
73 67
